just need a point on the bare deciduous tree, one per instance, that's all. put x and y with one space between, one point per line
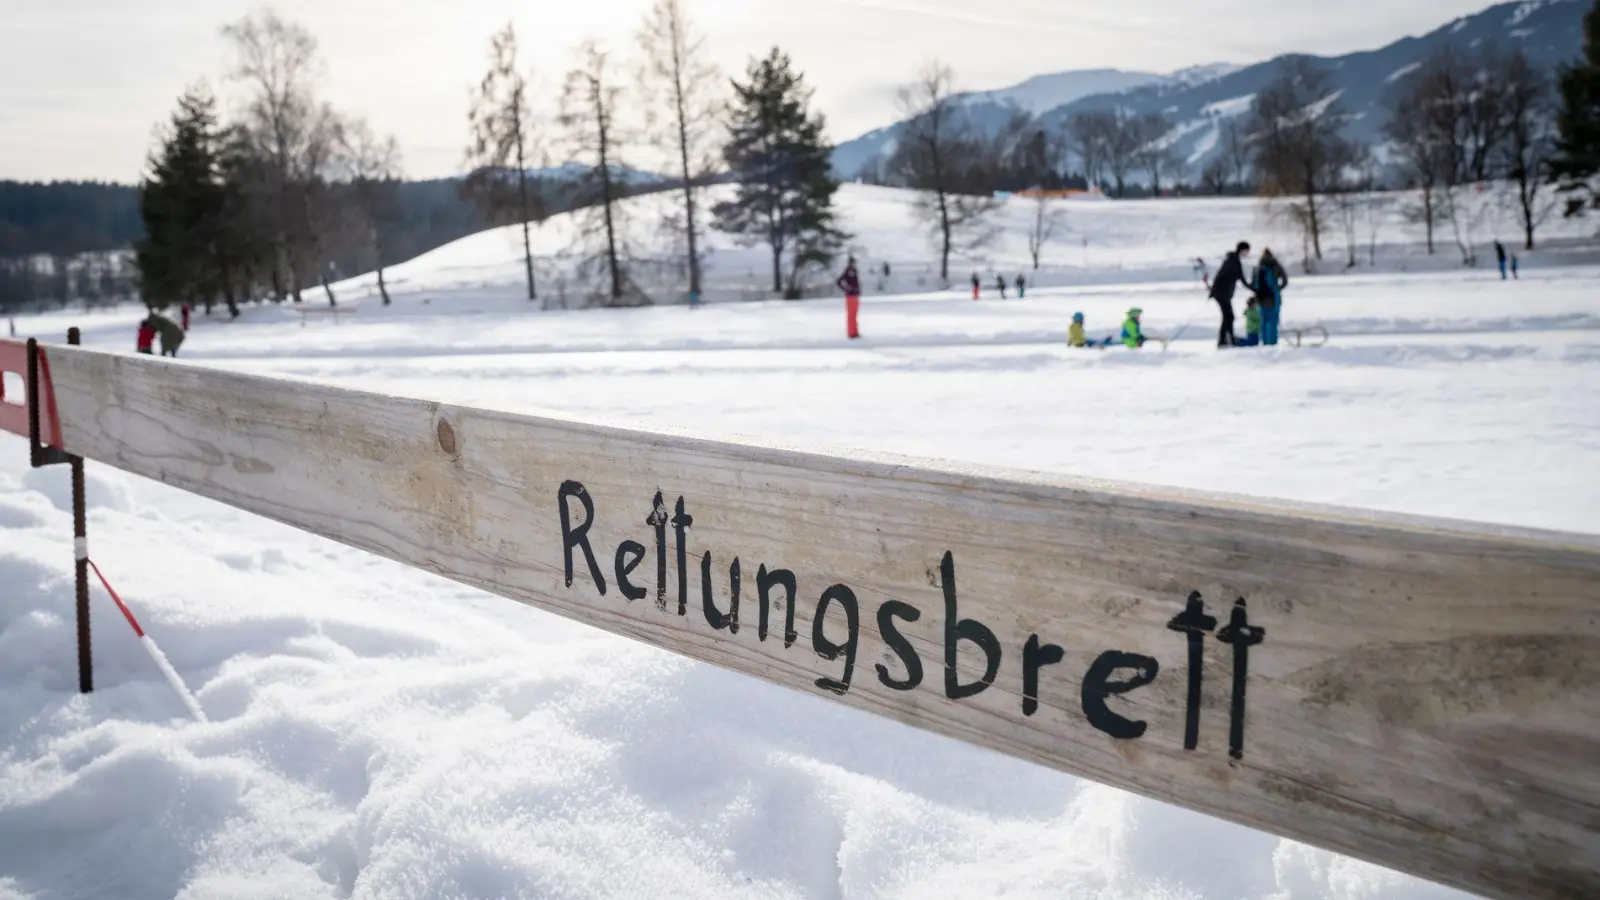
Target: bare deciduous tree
1048 220
372 163
1086 134
1154 153
502 144
277 65
678 78
1299 150
941 158
589 109
1528 98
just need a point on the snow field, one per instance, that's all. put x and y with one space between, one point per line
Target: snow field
378 732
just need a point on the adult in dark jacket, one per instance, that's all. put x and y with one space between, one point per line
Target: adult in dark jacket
1229 277
1500 255
850 283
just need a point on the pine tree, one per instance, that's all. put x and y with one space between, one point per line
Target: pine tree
1577 161
181 201
778 154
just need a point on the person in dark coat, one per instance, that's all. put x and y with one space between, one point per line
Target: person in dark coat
1228 279
1500 254
1000 282
850 283
1022 287
977 286
171 334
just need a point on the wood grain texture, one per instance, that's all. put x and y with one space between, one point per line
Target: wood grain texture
1426 695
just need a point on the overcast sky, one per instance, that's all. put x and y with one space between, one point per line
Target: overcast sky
83 83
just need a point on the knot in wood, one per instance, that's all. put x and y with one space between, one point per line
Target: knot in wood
447 437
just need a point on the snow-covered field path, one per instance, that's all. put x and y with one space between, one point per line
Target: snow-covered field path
378 732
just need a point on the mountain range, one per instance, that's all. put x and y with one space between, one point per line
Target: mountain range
1199 100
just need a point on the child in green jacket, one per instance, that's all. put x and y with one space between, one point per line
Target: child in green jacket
1252 324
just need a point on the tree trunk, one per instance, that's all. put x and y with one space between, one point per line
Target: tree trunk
1315 224
1525 194
1427 215
322 276
383 289
522 206
607 199
944 231
688 178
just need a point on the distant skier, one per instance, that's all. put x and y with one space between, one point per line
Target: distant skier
1270 280
885 268
1252 322
977 286
1000 282
145 343
694 298
850 283
186 310
1022 288
1500 254
1228 280
1132 334
1514 275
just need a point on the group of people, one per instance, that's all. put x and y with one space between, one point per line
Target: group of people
171 333
1261 315
1000 283
1263 310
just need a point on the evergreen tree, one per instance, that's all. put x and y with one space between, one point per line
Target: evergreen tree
1577 161
779 155
180 201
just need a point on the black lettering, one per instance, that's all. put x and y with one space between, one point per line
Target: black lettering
957 630
1097 686
629 555
1194 623
1242 635
898 643
658 520
680 524
764 583
828 649
1036 656
574 538
715 617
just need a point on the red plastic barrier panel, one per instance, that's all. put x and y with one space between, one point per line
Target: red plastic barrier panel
14 394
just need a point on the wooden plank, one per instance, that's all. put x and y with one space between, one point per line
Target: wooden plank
1422 694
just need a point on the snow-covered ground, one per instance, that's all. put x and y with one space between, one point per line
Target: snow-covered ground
380 733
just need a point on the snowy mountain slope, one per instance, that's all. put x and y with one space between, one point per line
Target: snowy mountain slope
1045 92
1548 31
988 110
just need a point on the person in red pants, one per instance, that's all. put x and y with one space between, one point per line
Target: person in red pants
186 309
850 283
